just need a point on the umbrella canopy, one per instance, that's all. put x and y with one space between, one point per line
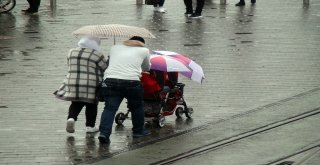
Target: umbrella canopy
113 30
196 72
167 64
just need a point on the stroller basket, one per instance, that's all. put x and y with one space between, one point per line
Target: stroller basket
152 107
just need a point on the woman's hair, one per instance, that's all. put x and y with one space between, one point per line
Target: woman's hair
138 39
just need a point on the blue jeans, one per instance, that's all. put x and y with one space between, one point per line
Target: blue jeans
114 92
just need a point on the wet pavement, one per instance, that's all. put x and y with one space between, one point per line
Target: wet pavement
263 135
252 56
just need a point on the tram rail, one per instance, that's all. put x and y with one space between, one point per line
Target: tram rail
230 140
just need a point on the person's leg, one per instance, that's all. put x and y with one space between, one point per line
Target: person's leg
33 6
188 4
74 109
155 5
158 7
198 11
200 4
159 77
173 77
241 3
134 96
91 114
113 99
36 5
161 2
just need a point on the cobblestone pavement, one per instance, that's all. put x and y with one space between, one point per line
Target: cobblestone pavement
252 56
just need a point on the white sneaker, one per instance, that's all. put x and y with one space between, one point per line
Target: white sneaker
161 10
91 129
70 125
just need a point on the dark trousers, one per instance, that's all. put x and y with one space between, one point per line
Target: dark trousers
34 4
91 112
189 8
114 93
160 3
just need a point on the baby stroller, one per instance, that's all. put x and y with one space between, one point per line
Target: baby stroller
163 96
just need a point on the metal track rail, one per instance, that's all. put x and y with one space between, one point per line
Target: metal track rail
238 137
281 161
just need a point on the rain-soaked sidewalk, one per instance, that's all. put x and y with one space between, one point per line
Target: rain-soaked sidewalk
252 56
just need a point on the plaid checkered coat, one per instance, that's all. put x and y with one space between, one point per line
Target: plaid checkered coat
85 71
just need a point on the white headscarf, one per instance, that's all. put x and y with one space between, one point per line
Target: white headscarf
90 42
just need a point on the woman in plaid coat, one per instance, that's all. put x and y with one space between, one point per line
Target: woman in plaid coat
86 66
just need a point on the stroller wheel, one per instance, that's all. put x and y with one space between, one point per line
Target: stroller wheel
160 121
189 112
120 117
179 112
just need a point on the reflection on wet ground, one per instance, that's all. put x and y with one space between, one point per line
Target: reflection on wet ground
88 149
251 56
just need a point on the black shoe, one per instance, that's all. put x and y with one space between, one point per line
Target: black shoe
196 15
240 4
103 139
253 1
30 11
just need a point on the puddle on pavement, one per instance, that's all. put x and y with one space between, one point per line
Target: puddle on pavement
99 13
245 42
89 149
6 73
30 32
38 47
30 59
245 20
54 21
243 33
35 37
192 44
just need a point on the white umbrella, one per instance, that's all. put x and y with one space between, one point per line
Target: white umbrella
113 30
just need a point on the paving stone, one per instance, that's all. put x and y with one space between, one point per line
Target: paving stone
252 56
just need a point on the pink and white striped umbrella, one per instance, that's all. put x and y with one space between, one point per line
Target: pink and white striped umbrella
167 64
196 72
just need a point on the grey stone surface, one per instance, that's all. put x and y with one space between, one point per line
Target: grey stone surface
252 56
257 137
